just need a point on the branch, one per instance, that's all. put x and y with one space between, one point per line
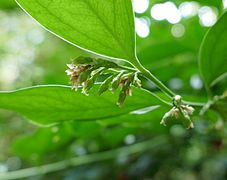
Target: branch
147 74
82 160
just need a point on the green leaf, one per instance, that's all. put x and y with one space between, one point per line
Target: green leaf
103 27
47 105
153 54
149 116
105 85
7 4
213 53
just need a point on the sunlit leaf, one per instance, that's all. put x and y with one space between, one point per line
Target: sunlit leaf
7 4
213 54
103 27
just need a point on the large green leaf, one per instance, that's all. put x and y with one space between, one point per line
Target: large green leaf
154 54
103 27
213 53
7 4
47 105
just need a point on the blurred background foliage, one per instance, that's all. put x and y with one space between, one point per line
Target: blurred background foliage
169 34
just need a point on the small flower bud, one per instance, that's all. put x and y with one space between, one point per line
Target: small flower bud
137 81
74 72
87 85
128 91
84 76
176 113
177 100
121 98
189 109
164 118
191 125
116 82
105 85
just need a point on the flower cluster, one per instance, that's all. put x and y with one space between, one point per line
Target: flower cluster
84 72
179 111
74 72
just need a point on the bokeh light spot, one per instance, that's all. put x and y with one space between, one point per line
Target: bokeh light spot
189 9
142 27
168 11
196 82
207 16
178 30
140 6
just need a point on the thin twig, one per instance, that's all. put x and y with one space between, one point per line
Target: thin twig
82 160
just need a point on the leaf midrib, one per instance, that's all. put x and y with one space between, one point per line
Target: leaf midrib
106 26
